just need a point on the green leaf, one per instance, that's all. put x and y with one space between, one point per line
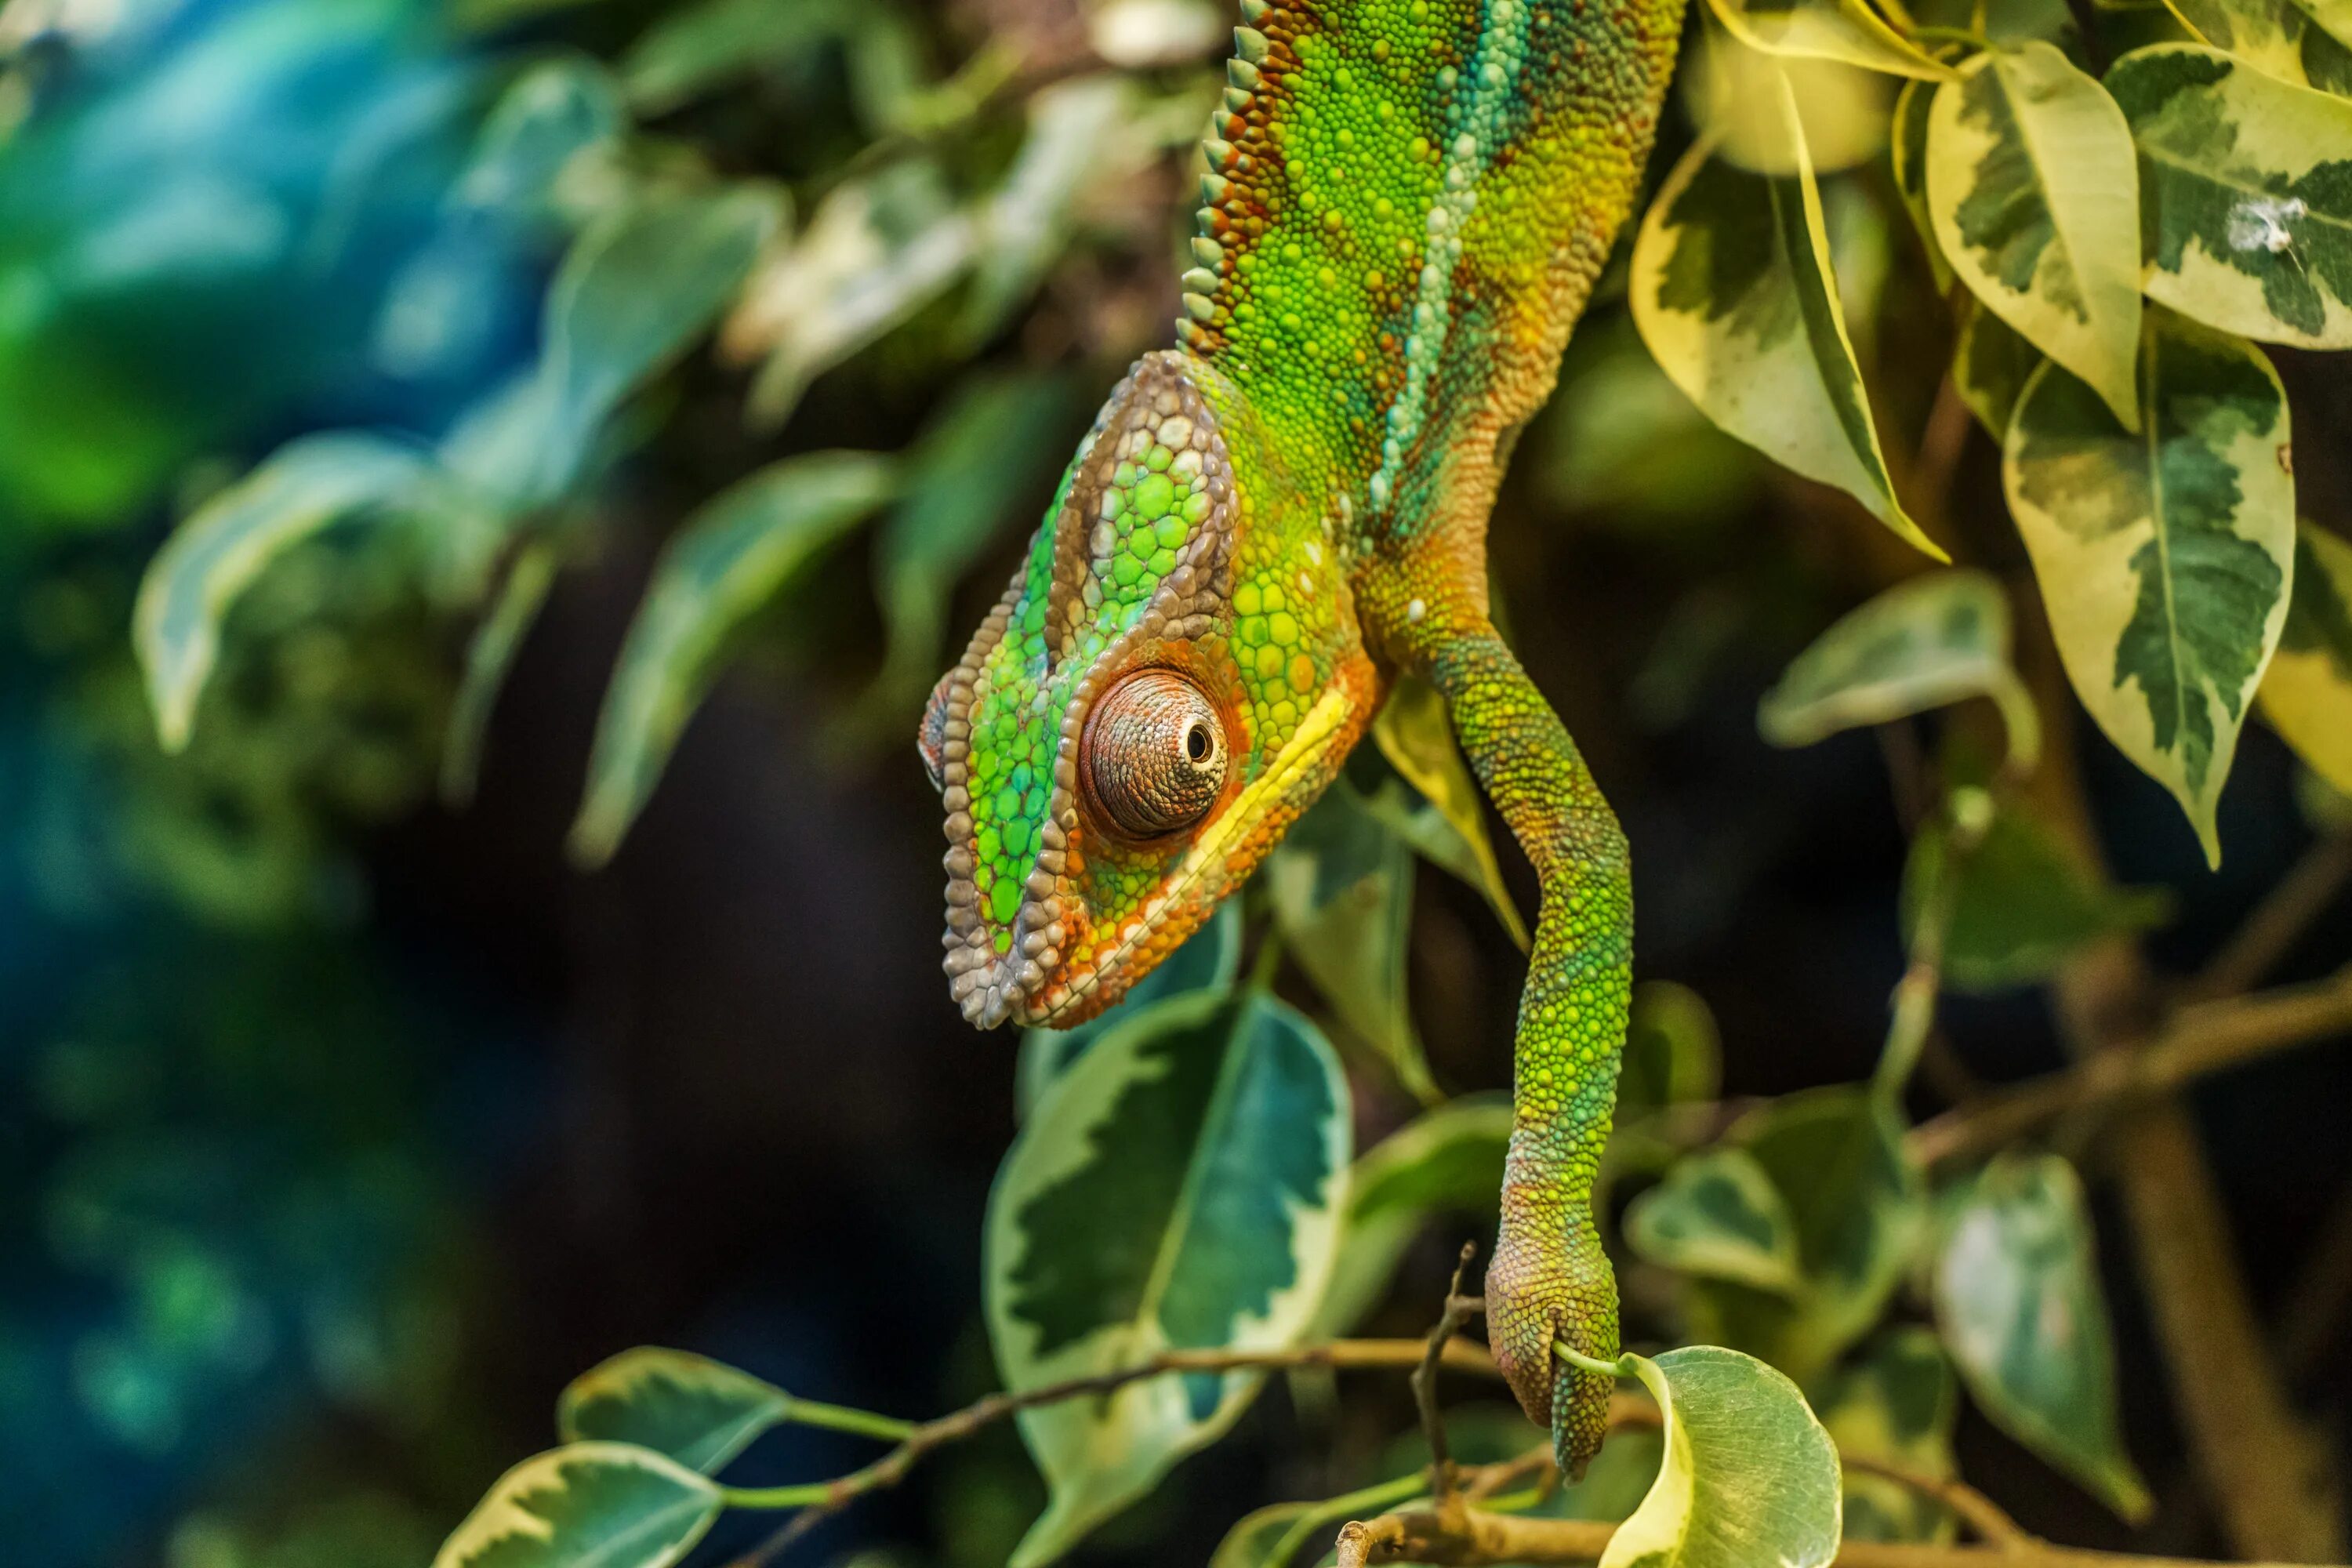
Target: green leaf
1750 1475
2162 558
2306 694
729 559
223 548
1718 1215
691 50
1844 30
998 440
586 1505
1207 961
1341 888
2270 36
2249 215
488 656
1674 1053
1991 365
1082 132
2023 903
1445 1161
2035 191
1181 1187
1734 293
550 115
1836 1157
1896 1405
1939 639
1416 734
2018 1300
1908 152
696 1411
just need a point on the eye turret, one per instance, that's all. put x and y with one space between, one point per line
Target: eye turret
1154 754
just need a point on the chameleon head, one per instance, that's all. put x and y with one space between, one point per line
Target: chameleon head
1173 675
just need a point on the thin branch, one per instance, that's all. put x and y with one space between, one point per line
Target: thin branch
2269 934
1978 1513
1459 1310
2201 1039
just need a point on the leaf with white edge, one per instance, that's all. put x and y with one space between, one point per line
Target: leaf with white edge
729 560
2266 34
212 558
1749 1476
1939 639
1181 1187
1991 365
1734 293
2035 191
586 1505
2248 206
1415 733
1718 1215
2018 1301
2162 557
1907 152
488 656
1208 961
700 1412
1445 1161
2306 694
1341 888
1846 30
1836 1157
2023 904
1894 1404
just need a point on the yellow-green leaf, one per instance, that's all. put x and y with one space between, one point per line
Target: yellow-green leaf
1750 1475
224 545
2017 1298
2307 692
2163 556
727 560
1718 1215
1449 1160
586 1505
1991 365
2035 192
1414 733
700 1412
489 656
2249 215
1907 152
1847 30
2272 36
1735 295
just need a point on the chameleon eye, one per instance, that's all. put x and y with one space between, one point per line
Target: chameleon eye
1154 754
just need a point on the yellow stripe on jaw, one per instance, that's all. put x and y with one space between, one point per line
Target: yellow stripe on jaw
1308 742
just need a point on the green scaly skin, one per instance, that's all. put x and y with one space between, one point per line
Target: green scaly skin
1407 204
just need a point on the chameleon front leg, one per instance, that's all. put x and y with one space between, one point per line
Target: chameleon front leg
1549 1279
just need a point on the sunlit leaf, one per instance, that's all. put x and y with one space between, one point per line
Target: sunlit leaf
2162 558
1935 639
2035 192
2022 905
1836 1157
2306 694
1341 888
876 250
1733 292
1894 1404
1750 1475
1208 961
1734 93
513 612
1907 152
1991 365
2018 1300
1846 30
2269 34
224 545
586 1505
1182 1186
1718 1215
727 560
1081 132
2249 215
1416 734
1445 1161
696 1411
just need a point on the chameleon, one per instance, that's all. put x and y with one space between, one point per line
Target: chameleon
1405 208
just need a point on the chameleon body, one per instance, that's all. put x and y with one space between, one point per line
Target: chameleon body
1406 204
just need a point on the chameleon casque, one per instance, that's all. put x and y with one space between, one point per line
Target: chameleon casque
1406 204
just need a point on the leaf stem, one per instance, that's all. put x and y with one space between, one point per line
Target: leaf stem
842 1418
1621 1367
804 1496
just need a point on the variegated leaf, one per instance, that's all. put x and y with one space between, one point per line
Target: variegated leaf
2307 693
609 1505
1907 152
1718 1215
2035 194
1990 364
2162 557
1734 293
2247 186
700 1412
1847 30
1895 1404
